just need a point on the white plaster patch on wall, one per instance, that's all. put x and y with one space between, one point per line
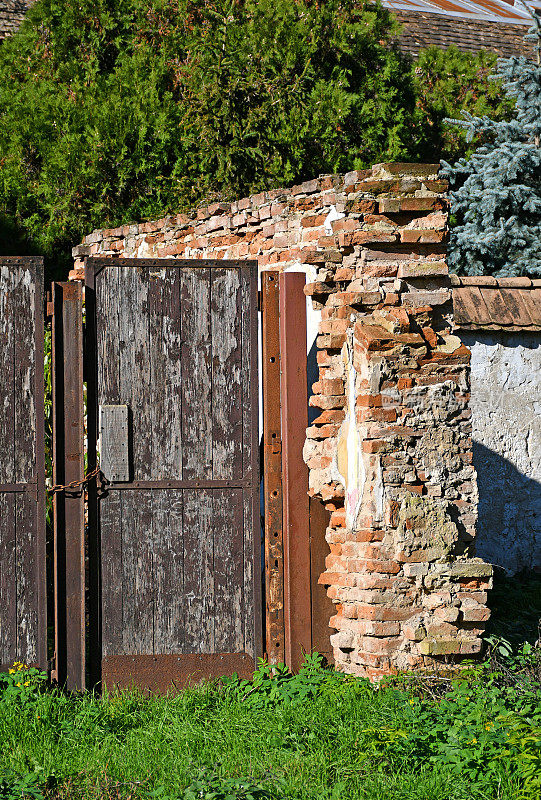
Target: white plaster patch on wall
144 250
505 402
331 217
349 466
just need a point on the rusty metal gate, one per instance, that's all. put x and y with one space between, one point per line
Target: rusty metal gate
154 570
174 528
23 606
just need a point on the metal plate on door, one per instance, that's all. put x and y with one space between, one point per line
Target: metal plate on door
114 460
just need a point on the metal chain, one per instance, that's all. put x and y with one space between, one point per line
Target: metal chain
74 484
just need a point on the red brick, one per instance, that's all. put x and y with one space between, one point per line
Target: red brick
382 646
374 237
421 235
375 446
338 518
480 614
329 386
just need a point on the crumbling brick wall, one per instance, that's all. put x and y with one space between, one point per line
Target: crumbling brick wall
390 452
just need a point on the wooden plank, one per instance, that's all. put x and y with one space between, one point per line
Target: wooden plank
113 427
112 583
24 308
137 572
7 345
21 293
196 384
198 592
26 570
228 571
227 385
168 566
165 370
135 363
272 470
250 355
8 586
294 403
253 529
253 577
109 301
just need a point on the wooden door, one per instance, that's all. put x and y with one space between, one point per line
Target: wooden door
172 363
23 605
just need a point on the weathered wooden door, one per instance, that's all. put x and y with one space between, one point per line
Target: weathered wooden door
172 364
23 622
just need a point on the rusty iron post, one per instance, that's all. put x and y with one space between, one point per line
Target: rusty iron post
272 469
68 466
294 413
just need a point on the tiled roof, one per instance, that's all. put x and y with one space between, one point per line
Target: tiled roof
487 303
11 15
421 30
492 10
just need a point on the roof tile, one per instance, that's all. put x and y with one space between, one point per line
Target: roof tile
516 306
503 303
469 305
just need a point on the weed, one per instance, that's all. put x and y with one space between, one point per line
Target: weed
21 683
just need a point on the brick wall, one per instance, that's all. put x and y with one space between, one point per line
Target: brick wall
279 228
390 452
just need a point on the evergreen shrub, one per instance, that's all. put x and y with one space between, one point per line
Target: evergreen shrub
497 192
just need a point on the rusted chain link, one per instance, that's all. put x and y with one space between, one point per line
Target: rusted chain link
74 484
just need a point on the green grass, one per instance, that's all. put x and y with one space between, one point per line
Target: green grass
316 735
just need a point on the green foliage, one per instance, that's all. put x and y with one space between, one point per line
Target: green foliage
14 786
209 786
274 685
447 83
112 110
120 110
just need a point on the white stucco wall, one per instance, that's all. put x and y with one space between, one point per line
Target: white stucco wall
506 408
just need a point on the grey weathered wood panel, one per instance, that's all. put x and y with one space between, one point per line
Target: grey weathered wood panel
226 322
196 383
138 589
228 571
7 409
8 583
22 528
111 525
114 430
165 371
179 541
134 350
168 569
198 588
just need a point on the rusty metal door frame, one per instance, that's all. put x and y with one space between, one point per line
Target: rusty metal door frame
297 609
69 501
296 514
170 663
272 469
36 487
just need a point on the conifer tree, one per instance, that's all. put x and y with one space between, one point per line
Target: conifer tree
496 202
